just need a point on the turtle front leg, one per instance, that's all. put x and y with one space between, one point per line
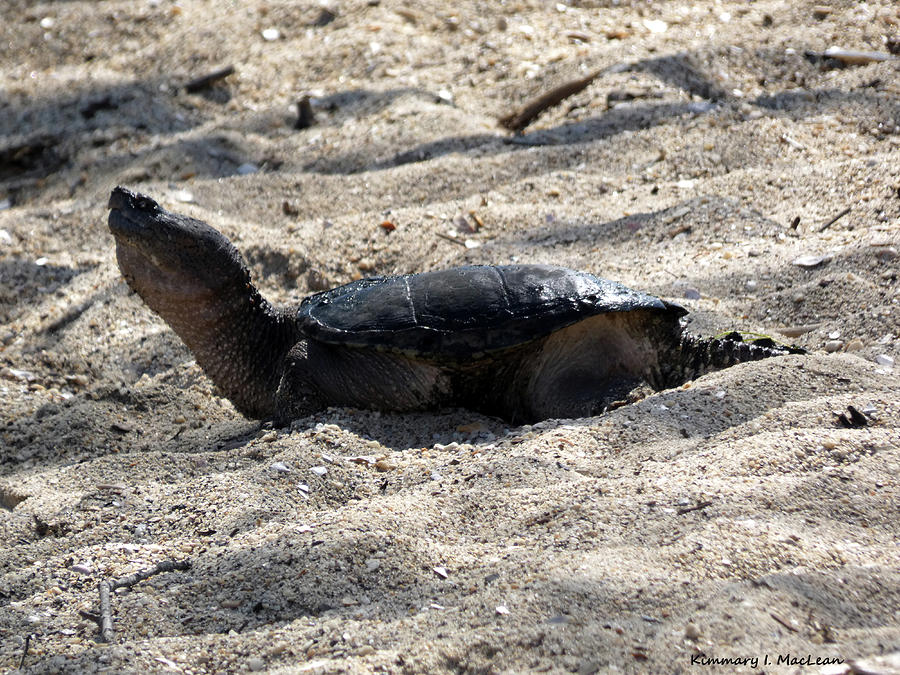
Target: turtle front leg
318 375
296 395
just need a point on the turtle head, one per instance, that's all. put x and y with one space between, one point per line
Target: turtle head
172 260
195 279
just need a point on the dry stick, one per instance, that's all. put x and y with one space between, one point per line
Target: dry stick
305 116
106 588
448 237
784 623
675 231
835 219
688 509
25 650
90 616
521 118
205 81
106 622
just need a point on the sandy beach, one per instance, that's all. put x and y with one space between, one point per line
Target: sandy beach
725 157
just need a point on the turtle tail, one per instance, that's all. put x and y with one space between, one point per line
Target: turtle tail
694 356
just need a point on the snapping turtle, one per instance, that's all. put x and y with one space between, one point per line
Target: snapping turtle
522 342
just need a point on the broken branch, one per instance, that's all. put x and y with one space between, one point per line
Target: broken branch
107 587
208 80
522 117
835 219
688 509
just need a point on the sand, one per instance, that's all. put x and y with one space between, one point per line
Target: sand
731 525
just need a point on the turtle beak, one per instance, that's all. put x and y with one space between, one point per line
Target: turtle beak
131 213
124 199
121 197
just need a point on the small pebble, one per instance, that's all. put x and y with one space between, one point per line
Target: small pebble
884 360
271 34
256 664
655 25
319 470
280 467
82 569
834 345
502 609
383 465
279 648
854 345
441 571
752 285
691 294
810 261
16 374
691 632
246 168
183 196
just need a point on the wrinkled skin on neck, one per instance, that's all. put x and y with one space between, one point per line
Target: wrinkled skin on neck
196 280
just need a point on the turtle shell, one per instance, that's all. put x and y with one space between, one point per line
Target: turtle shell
465 312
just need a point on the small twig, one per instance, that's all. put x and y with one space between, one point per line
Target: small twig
106 621
784 623
90 616
449 237
697 507
835 219
795 222
25 650
675 231
853 418
208 80
106 588
535 140
305 116
159 568
793 143
525 115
